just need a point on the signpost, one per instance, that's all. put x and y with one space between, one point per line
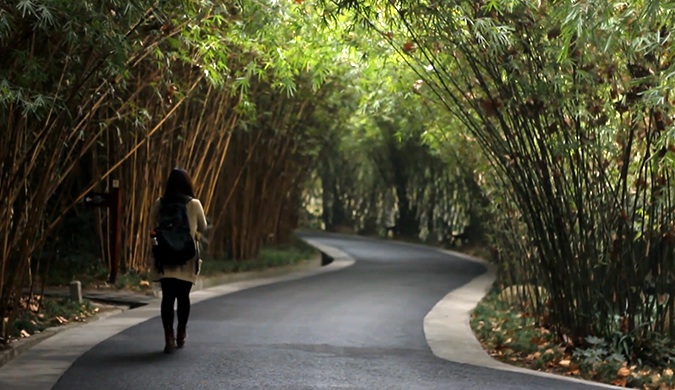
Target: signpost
112 201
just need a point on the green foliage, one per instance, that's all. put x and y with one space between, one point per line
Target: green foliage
381 165
597 351
268 257
47 312
69 38
506 332
133 280
65 307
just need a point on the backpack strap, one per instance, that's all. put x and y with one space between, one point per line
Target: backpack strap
185 198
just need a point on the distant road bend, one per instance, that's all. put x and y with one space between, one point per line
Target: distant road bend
357 328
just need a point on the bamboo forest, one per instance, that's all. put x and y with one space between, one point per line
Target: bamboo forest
540 131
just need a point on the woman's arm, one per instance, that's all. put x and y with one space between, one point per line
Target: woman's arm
201 218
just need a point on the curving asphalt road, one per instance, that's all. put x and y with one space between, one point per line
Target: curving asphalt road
357 328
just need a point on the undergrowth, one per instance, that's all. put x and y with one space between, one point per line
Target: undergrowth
40 312
268 257
515 337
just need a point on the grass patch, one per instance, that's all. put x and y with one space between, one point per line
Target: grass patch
269 257
133 281
515 337
39 313
509 335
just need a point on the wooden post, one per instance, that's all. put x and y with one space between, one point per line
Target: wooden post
115 219
113 202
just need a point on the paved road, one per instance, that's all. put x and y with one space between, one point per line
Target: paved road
357 328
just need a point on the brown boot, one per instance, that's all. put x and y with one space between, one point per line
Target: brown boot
181 336
170 341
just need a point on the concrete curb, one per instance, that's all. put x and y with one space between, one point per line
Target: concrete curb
207 282
446 326
18 347
448 330
44 361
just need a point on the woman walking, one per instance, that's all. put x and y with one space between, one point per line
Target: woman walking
177 280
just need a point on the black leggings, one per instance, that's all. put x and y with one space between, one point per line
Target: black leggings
175 290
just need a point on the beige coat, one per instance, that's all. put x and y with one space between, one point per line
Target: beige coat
189 271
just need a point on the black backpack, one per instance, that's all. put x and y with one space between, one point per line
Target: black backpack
173 243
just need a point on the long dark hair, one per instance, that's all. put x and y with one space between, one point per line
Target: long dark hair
179 183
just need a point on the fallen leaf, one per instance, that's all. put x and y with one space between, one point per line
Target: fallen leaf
623 372
24 333
534 355
620 382
656 378
145 283
668 373
564 363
